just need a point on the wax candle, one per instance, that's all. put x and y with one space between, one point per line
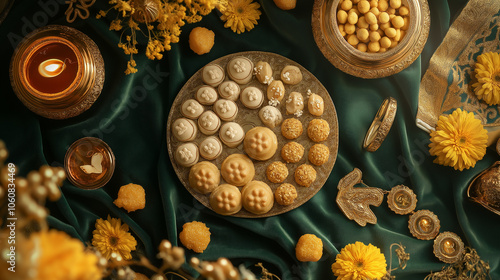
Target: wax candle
57 72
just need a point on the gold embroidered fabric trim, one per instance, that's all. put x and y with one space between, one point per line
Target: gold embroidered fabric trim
466 37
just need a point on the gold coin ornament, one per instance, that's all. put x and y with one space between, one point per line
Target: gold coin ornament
424 225
402 200
448 247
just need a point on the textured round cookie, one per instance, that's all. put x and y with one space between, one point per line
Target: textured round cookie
305 175
231 134
257 197
209 123
285 194
191 109
211 148
184 129
295 104
292 152
227 110
206 95
309 248
319 154
318 130
195 236
270 116
291 75
204 177
237 169
240 70
226 199
229 90
276 90
187 154
252 97
315 105
291 128
263 72
260 143
213 74
277 172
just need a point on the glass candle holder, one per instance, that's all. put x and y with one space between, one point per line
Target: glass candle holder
57 72
89 163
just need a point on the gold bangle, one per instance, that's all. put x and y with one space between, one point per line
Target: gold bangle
381 125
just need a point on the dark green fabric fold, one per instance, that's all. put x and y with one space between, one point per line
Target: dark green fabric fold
131 117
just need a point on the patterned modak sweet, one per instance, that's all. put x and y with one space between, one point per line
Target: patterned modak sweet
213 75
226 199
257 197
204 177
237 169
240 70
260 143
187 154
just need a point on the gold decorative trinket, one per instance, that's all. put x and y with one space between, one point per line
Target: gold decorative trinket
424 225
355 202
402 200
448 247
485 188
381 125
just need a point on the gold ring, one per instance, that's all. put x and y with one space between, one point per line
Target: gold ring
381 125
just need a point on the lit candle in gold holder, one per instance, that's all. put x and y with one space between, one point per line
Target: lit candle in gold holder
57 72
89 163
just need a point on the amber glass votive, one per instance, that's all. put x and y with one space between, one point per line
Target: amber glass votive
57 72
89 163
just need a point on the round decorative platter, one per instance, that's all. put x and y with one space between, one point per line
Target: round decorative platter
249 118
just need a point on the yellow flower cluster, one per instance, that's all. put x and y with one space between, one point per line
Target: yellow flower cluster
111 236
487 71
64 258
239 15
163 20
459 140
359 262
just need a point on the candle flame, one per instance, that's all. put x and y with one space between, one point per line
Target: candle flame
51 68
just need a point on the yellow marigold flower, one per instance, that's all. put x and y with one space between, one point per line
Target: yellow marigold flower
487 71
359 262
64 258
459 140
110 236
240 15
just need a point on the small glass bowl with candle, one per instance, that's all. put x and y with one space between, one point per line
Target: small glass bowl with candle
57 72
89 163
371 38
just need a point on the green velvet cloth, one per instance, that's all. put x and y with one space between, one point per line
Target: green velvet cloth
133 122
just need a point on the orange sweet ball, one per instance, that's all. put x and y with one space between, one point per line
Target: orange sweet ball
309 248
131 197
201 40
195 236
285 4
